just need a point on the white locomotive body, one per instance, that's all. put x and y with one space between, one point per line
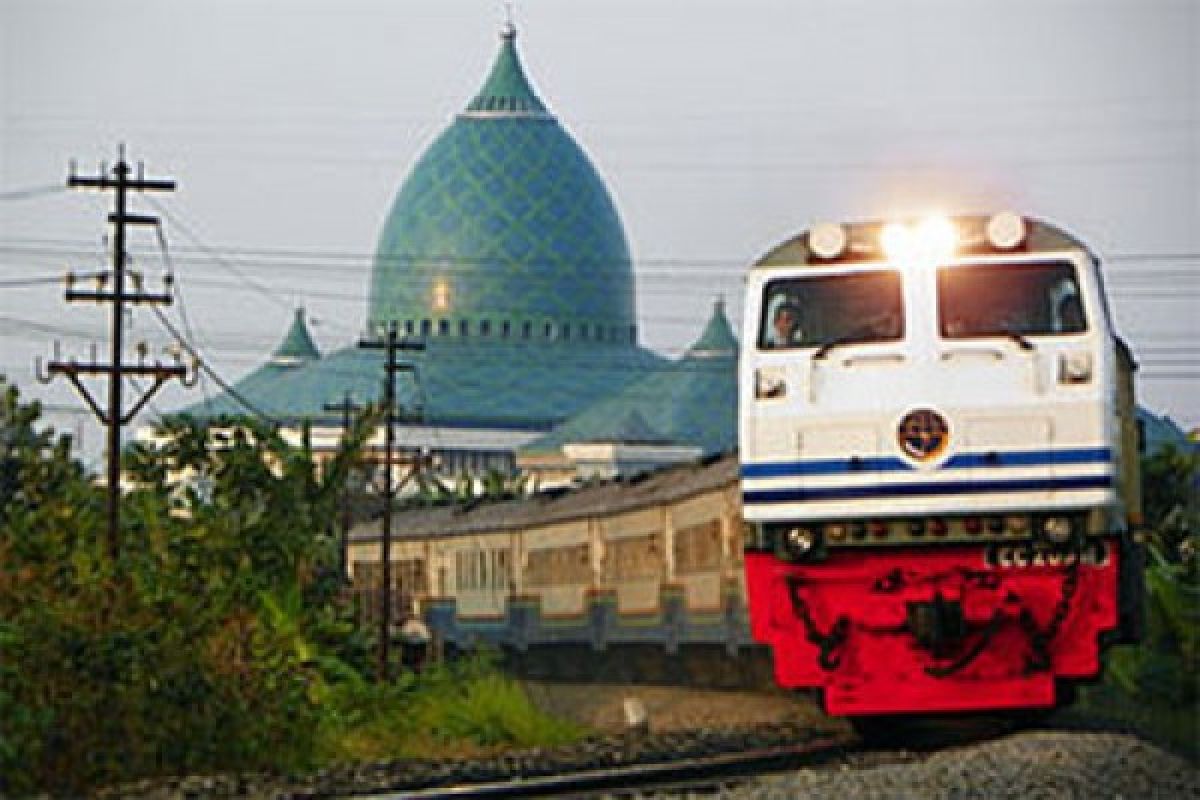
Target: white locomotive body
928 380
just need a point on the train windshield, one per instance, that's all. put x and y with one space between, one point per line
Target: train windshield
824 310
1009 300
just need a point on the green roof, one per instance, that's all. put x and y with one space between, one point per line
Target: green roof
506 88
504 219
717 339
297 346
633 429
455 383
692 401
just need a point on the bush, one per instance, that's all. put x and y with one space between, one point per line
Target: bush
456 708
1156 683
214 641
196 649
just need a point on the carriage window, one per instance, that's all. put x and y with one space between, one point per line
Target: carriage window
832 309
1006 299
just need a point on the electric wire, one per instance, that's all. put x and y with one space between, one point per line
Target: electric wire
324 260
31 192
202 364
216 257
178 293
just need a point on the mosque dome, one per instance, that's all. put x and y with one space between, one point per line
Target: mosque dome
504 230
504 254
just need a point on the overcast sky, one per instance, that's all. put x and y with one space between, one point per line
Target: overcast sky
720 127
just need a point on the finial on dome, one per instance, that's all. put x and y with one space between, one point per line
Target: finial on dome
507 91
510 29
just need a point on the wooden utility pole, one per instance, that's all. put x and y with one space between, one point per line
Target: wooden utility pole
113 417
391 344
347 407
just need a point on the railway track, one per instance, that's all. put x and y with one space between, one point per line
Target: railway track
749 763
695 772
662 771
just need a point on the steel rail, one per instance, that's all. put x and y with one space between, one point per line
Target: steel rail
689 770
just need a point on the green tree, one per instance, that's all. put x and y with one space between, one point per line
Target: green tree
1158 677
1171 495
214 640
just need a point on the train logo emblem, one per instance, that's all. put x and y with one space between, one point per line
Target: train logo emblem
922 434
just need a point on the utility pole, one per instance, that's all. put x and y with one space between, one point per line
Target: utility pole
347 407
391 344
113 417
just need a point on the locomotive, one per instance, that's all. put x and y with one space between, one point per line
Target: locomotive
939 466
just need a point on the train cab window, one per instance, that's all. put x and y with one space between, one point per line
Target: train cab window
977 300
824 310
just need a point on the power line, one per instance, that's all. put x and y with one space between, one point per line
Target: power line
322 260
203 365
31 192
23 282
216 257
182 305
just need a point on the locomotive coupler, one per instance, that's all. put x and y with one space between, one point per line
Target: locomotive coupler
937 625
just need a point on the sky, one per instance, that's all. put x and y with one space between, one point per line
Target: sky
721 128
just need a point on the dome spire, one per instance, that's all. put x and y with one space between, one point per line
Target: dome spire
507 90
297 347
717 339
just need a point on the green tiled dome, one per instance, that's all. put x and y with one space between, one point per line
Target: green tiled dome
503 251
504 229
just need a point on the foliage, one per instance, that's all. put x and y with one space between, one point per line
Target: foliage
492 486
212 643
463 707
1171 495
1158 678
1164 667
34 464
217 641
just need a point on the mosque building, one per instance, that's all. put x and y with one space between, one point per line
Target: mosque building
504 256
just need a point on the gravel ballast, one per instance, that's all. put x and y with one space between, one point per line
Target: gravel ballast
1037 764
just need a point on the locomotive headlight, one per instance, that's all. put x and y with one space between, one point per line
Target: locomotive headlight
800 542
827 240
1056 529
1074 367
897 241
932 240
937 238
1006 230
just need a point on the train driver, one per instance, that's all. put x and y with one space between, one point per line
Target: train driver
785 327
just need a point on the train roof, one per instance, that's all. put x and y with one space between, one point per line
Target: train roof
863 238
669 485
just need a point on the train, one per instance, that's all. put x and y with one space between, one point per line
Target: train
938 465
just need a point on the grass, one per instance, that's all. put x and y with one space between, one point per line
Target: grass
448 711
1167 717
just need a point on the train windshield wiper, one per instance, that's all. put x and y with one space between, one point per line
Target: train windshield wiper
850 338
1017 337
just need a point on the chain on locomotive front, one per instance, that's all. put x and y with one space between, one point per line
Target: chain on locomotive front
938 459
